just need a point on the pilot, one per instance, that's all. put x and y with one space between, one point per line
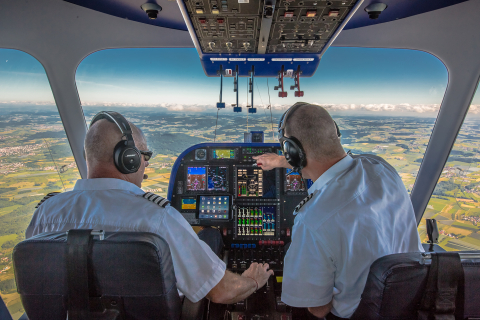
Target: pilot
356 211
113 201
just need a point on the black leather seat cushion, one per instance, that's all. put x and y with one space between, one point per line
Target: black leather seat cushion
135 266
396 284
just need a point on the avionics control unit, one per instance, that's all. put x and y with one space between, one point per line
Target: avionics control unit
220 186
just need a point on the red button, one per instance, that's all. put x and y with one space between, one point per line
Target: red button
224 232
202 20
220 20
282 243
288 232
260 243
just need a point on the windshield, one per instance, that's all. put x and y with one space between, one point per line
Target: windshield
384 100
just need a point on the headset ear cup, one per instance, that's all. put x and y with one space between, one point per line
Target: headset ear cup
294 153
127 158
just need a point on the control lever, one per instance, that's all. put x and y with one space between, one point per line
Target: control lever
221 105
282 93
296 76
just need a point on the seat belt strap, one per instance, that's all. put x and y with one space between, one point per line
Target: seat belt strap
444 280
79 243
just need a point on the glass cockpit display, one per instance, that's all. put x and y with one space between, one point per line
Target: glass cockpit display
214 207
256 220
294 181
217 179
218 154
196 178
189 203
254 182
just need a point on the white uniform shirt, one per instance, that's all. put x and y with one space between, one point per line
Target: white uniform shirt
118 205
359 212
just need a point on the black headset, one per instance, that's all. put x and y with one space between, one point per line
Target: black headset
291 146
126 156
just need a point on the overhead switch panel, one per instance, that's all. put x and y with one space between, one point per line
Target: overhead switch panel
275 26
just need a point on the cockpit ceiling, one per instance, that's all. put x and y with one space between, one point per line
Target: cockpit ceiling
171 17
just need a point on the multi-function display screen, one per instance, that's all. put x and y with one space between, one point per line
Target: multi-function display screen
256 220
214 207
223 153
254 182
294 181
189 203
217 179
196 178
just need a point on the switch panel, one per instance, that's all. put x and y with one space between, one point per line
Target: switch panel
296 26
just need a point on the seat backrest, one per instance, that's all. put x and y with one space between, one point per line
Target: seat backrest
133 267
396 285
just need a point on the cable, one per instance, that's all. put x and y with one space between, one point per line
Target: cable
261 100
56 167
247 105
216 127
270 107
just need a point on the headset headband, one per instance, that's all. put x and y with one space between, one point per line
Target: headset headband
118 119
283 120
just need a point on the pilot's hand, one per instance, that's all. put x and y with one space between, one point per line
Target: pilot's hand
269 161
259 273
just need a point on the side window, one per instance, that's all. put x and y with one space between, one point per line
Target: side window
455 202
35 156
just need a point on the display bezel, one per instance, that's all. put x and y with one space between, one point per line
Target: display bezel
228 178
186 179
304 181
212 150
229 213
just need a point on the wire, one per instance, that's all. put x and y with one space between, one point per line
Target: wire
56 167
247 104
216 127
270 107
258 90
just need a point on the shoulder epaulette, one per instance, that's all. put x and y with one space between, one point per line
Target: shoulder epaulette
155 198
48 196
302 203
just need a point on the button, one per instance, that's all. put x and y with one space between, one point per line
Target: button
202 20
224 232
220 20
288 232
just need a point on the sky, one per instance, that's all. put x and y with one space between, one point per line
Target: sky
347 80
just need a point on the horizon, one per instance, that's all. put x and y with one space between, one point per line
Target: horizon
353 81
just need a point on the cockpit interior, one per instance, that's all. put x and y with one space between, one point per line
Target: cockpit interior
172 67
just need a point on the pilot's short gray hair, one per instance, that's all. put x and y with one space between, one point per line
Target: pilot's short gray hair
315 128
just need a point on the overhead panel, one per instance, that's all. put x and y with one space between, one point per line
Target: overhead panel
270 34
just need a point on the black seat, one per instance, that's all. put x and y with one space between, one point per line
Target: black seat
128 271
397 283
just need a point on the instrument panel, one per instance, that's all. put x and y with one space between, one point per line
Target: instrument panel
220 185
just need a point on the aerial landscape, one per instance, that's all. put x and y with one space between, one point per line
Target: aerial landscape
36 159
